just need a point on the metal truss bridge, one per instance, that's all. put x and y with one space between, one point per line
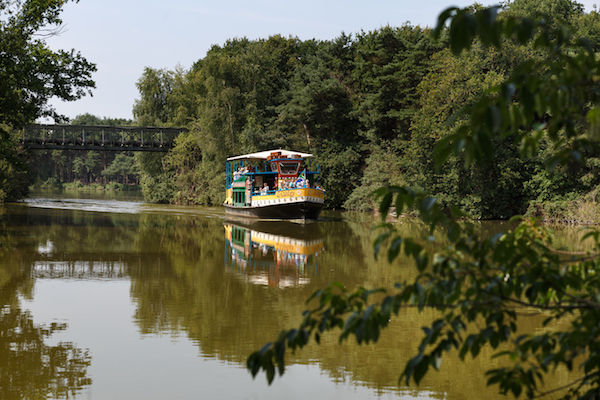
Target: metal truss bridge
98 137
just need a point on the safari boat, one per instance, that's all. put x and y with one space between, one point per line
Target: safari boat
274 184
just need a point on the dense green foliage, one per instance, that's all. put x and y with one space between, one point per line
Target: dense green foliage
13 167
483 288
30 74
370 106
339 99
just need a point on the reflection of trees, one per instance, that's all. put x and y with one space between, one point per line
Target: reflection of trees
31 369
15 262
190 291
180 285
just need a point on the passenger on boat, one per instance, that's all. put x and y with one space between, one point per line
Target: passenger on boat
239 173
248 189
265 189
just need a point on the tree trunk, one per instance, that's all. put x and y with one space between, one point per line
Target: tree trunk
307 135
104 167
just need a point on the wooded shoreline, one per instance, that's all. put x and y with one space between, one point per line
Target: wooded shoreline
370 106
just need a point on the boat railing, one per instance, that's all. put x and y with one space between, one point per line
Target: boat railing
270 192
263 193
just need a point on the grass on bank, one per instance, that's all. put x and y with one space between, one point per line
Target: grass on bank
53 184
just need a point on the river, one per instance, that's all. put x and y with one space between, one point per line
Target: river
117 299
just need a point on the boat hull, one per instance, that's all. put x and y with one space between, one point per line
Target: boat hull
296 210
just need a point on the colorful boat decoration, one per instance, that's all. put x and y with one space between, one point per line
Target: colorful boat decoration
274 184
262 255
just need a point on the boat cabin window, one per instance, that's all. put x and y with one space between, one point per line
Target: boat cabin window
289 167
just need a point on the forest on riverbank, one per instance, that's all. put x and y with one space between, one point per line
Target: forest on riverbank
370 106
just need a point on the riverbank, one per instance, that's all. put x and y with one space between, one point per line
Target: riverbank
580 211
52 185
584 210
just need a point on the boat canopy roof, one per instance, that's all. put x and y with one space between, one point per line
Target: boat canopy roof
262 155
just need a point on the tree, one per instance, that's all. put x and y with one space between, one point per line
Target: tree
123 166
155 86
30 74
90 119
480 285
494 190
319 112
388 67
13 167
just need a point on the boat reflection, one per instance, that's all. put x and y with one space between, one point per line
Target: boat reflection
272 253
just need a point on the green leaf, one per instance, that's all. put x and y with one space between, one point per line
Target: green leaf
441 22
516 389
442 151
422 261
384 205
421 369
379 242
394 249
524 30
487 27
462 31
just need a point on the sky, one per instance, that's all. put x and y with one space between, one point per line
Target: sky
124 36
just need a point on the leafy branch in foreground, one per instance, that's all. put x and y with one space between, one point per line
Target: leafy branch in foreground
31 72
480 285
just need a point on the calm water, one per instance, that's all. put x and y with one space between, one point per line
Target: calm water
106 299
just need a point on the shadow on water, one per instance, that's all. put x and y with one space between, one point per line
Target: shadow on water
227 285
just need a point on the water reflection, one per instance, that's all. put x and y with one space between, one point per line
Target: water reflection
95 270
31 366
129 207
260 254
225 286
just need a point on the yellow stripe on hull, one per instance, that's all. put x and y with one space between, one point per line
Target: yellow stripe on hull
289 196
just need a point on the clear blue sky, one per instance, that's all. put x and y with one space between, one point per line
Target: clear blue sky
124 36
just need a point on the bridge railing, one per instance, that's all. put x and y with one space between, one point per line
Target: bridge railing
88 137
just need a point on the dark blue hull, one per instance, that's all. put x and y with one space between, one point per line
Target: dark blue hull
297 210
